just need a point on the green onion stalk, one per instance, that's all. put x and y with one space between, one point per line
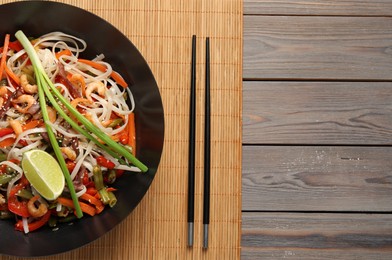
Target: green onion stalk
47 88
75 126
51 135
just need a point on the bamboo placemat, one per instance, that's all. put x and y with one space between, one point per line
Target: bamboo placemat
162 30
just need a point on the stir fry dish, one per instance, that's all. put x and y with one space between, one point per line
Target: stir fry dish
67 132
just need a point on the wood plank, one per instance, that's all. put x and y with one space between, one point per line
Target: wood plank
316 236
317 178
305 47
317 113
319 7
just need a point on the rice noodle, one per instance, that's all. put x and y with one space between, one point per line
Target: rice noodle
25 225
81 159
64 132
82 191
128 168
7 136
16 152
17 177
76 78
47 41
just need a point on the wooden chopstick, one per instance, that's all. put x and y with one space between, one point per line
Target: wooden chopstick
191 159
207 147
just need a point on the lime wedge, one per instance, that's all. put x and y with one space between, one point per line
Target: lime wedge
44 173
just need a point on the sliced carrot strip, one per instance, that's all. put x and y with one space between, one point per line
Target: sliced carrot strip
7 142
63 52
99 209
31 124
119 80
83 206
94 64
4 53
12 75
91 199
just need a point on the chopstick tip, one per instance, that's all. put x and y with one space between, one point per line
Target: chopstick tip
190 234
205 236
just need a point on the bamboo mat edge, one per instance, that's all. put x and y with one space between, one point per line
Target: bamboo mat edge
157 215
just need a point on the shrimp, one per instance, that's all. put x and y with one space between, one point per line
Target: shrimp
97 86
76 102
69 153
3 91
52 114
89 117
33 210
16 126
78 80
2 199
27 87
26 100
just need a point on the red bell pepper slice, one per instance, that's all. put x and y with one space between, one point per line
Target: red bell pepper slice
14 205
34 225
119 173
102 161
85 179
6 131
15 45
70 165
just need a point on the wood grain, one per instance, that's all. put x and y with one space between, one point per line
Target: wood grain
331 48
162 31
317 120
317 113
317 178
316 236
319 7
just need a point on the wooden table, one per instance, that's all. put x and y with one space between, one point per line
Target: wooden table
317 130
162 31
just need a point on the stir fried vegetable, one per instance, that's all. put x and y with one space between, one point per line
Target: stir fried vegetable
71 107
